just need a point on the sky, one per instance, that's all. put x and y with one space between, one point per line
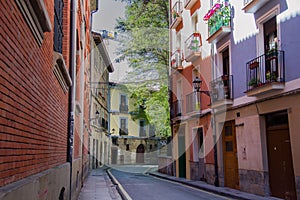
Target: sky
108 12
105 19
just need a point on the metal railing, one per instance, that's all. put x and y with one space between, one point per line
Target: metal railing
176 11
222 88
123 131
177 108
193 102
123 108
193 44
176 59
221 17
267 68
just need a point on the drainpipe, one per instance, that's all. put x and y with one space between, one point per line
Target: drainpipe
216 181
72 69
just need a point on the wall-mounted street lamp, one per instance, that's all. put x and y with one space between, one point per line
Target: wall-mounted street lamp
197 83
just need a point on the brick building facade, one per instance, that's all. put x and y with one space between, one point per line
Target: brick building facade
40 74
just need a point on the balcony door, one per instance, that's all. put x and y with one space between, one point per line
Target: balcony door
226 72
270 47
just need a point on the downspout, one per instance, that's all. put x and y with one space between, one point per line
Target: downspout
72 90
216 181
92 56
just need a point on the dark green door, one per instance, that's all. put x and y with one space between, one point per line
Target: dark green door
181 155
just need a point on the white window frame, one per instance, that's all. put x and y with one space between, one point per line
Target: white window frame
275 11
37 19
219 68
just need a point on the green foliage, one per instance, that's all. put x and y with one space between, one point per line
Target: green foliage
144 38
144 43
151 105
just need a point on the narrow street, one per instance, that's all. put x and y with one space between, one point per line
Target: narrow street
142 186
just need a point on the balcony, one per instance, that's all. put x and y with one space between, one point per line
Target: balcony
192 47
177 108
176 18
123 131
142 132
219 22
193 102
176 60
123 109
265 73
251 6
222 91
188 4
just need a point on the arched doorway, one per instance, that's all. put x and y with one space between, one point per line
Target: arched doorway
140 154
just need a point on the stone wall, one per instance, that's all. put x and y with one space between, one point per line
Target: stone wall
255 182
128 147
165 165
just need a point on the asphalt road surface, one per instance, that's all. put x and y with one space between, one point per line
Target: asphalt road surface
144 187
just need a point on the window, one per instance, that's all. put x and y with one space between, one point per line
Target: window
36 16
142 128
123 104
123 126
225 59
58 31
198 143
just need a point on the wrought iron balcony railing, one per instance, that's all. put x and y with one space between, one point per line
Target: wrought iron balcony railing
222 88
142 132
177 108
192 46
176 60
265 69
219 16
193 102
123 108
176 14
123 131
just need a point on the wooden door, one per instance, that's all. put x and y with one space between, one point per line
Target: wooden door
281 173
231 173
140 154
181 155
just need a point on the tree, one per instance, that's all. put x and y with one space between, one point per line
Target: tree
144 39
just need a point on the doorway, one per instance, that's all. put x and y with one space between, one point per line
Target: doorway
181 152
231 173
280 162
140 154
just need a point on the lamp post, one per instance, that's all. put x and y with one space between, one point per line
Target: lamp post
197 83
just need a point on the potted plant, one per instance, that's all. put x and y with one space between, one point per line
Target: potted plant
271 76
253 82
254 64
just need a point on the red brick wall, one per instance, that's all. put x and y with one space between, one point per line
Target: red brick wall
33 106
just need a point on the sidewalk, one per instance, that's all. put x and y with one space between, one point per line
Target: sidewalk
98 186
224 191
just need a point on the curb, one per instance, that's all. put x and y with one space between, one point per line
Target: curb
198 187
212 190
121 190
